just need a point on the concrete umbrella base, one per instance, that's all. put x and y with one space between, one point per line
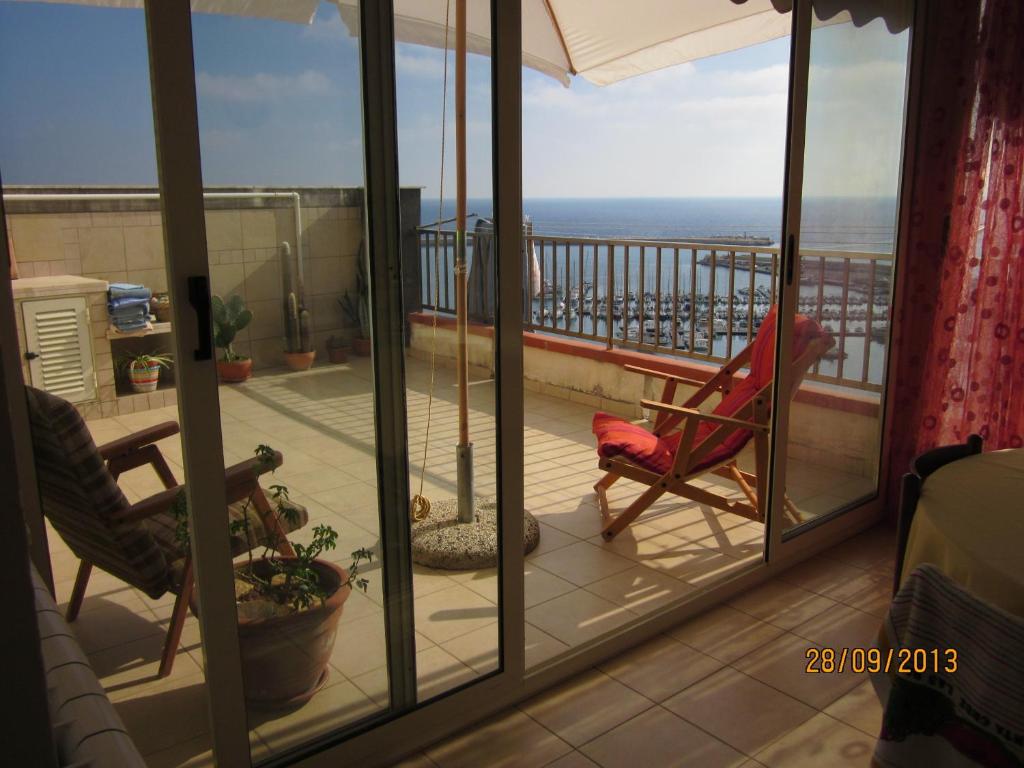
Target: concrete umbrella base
441 541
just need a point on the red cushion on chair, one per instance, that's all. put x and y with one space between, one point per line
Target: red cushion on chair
616 436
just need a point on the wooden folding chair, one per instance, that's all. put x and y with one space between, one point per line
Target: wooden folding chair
686 443
137 543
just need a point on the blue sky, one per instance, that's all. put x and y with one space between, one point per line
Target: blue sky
279 104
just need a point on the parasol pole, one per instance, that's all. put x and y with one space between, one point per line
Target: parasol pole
464 450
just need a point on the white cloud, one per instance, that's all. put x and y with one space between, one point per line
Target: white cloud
410 64
260 86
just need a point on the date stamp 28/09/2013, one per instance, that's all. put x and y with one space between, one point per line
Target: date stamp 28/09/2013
871 660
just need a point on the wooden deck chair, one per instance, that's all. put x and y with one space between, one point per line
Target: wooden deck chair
686 443
137 543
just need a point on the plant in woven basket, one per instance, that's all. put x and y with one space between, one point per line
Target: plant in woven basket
143 369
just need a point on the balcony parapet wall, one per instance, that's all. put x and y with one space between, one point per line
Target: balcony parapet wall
829 426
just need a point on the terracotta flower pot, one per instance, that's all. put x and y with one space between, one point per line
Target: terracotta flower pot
235 371
284 658
337 354
144 376
299 361
361 346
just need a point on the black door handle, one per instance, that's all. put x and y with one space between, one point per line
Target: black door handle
199 298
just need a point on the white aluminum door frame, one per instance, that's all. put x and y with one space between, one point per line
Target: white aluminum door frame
177 137
783 549
176 127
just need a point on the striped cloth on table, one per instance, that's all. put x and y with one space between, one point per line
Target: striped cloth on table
968 716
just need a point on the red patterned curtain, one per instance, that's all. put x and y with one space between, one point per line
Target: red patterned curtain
960 333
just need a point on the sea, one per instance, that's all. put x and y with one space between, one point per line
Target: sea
844 224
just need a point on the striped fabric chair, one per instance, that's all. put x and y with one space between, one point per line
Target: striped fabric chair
138 542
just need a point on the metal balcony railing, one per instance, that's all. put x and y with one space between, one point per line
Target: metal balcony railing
695 300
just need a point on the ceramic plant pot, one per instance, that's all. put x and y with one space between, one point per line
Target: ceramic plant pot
299 361
144 376
337 354
284 658
361 347
235 371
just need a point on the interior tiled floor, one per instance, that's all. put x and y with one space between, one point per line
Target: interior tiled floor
727 688
577 586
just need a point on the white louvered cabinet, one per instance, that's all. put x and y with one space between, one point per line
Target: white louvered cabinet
58 345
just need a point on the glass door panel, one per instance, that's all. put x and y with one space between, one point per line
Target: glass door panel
86 222
680 281
282 154
455 572
851 173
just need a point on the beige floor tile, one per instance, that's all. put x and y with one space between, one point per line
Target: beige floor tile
782 604
131 669
782 664
541 647
577 617
659 738
112 625
585 707
859 708
450 612
840 626
175 712
360 645
541 585
725 633
511 740
582 563
739 710
416 761
477 649
438 671
573 760
641 589
660 667
872 548
821 574
335 706
821 742
550 540
193 753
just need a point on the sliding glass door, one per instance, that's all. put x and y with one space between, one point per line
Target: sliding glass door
847 127
325 608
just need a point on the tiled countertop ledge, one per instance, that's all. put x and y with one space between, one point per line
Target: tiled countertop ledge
57 285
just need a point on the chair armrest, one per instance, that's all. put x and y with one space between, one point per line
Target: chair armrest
241 479
239 482
152 505
666 376
136 440
694 413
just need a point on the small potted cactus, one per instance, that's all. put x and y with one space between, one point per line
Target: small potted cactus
230 317
298 352
358 310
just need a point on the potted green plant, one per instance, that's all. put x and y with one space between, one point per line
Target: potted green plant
336 349
358 310
288 608
230 317
143 370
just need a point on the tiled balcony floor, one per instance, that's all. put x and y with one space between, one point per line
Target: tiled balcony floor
577 587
